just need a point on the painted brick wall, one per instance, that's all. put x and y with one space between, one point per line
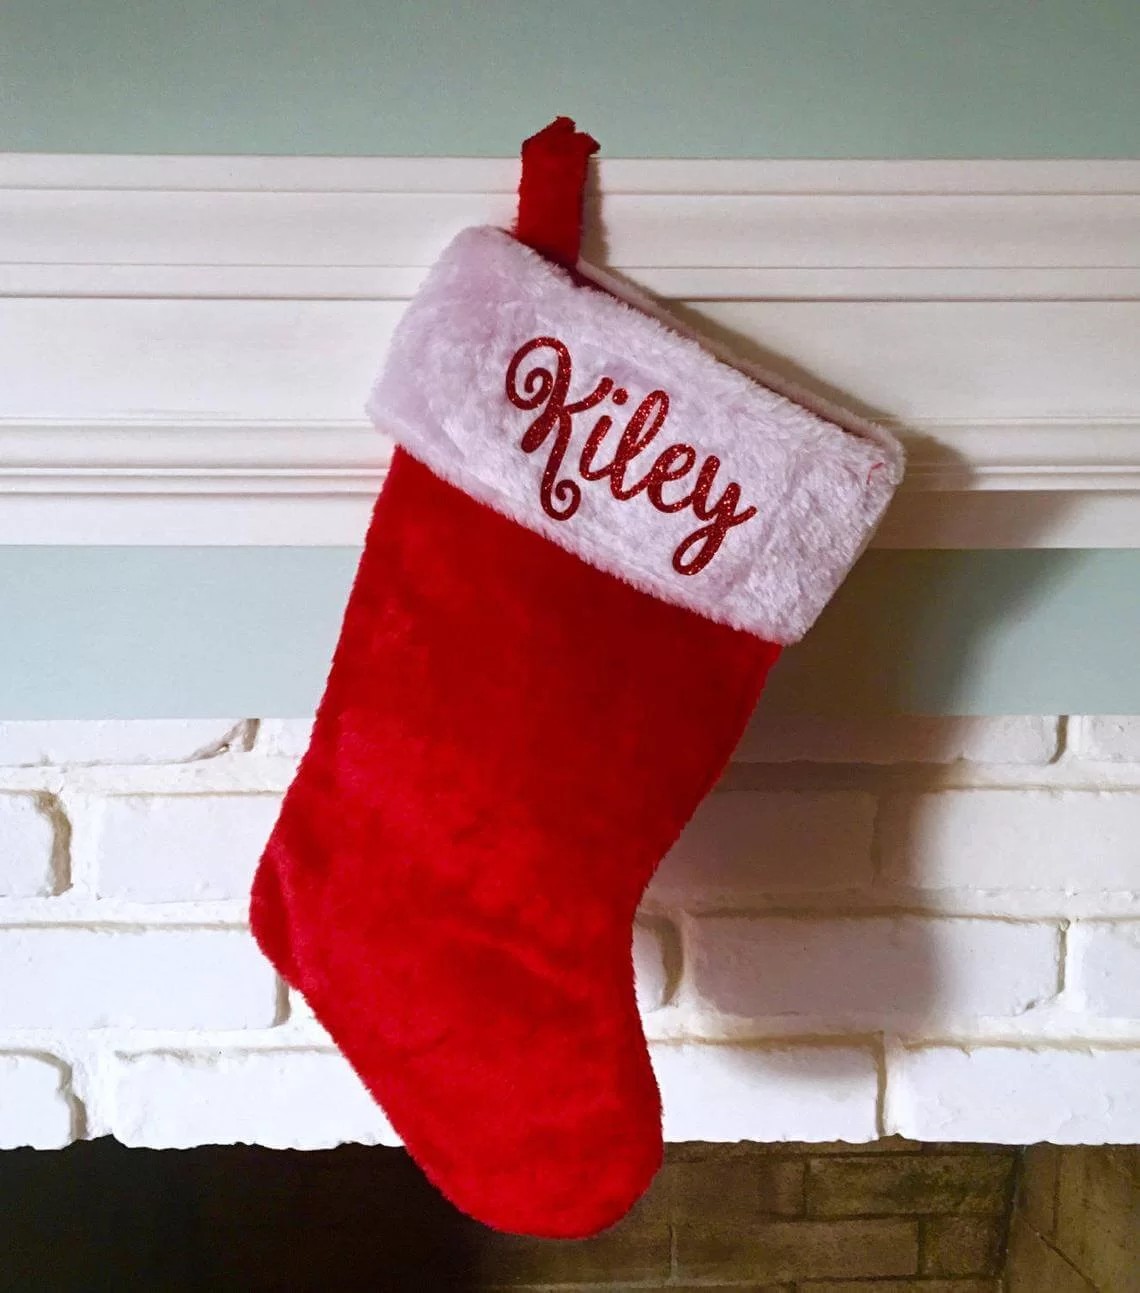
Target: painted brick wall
925 927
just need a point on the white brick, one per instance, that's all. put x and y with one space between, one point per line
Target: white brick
1015 1095
177 848
880 967
1104 960
1055 840
903 738
26 744
1114 738
767 1093
34 1108
71 977
278 1098
284 737
651 975
27 848
764 841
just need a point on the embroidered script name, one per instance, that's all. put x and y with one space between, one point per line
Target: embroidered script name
545 387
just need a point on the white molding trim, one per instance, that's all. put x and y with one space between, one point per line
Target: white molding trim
288 483
161 315
622 175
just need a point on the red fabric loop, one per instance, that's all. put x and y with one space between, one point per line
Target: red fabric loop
551 190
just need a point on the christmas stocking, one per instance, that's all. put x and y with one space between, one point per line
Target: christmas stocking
594 539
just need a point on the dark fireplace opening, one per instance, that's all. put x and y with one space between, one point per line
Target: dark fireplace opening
98 1216
892 1216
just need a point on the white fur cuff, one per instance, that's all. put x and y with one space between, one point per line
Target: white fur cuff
605 428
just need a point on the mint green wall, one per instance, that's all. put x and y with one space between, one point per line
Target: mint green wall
179 632
102 632
701 78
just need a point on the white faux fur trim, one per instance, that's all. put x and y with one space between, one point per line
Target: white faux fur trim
813 481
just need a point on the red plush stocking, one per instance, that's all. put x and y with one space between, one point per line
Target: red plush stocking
594 538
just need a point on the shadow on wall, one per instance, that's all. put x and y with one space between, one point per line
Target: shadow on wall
889 637
921 634
886 616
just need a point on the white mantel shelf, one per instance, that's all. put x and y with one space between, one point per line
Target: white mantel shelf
186 342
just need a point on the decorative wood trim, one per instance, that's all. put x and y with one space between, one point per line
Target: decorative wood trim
91 247
226 483
624 175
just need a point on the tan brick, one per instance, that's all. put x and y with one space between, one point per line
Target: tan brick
884 1145
1004 1150
908 1185
701 1151
638 1248
691 1151
1126 1160
962 1245
1037 1191
779 1250
1098 1219
1034 1266
735 1190
905 1286
668 1288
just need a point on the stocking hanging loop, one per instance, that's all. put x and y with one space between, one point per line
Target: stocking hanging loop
552 188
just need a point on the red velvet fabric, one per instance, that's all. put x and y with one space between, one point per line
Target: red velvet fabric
509 742
551 187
